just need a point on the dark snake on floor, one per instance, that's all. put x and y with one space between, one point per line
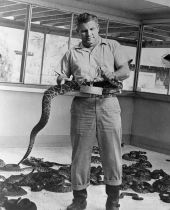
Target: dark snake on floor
137 176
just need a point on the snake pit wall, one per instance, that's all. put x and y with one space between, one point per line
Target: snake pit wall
56 177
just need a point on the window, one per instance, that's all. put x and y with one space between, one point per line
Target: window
32 56
47 46
154 71
11 41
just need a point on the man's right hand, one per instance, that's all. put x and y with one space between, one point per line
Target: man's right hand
62 78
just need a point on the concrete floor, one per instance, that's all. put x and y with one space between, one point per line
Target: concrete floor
96 194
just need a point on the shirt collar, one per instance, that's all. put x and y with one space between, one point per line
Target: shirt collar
101 41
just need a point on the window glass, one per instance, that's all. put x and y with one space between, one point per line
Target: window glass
131 52
11 41
103 27
48 41
55 48
75 39
127 36
10 54
154 69
34 58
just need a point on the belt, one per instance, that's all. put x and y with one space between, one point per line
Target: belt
96 84
102 96
106 90
97 96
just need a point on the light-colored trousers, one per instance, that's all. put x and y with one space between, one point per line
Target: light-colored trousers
91 119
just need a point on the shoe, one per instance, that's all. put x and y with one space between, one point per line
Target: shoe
112 202
110 205
77 204
79 200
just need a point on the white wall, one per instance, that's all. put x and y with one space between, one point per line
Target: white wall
21 111
145 122
151 125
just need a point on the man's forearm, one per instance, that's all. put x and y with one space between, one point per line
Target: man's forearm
122 73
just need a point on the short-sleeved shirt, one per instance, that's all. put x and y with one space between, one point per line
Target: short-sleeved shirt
83 63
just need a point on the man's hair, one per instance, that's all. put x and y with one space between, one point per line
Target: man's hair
84 18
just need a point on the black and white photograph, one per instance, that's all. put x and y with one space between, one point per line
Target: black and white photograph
85 105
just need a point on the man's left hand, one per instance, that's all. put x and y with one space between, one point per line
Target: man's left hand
106 74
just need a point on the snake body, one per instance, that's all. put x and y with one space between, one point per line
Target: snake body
56 90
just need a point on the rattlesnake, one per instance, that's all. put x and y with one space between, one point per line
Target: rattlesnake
56 90
49 94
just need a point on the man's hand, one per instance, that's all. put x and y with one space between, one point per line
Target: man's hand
106 74
62 78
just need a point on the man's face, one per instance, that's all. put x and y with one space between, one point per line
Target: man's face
89 33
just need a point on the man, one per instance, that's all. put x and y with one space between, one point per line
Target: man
95 59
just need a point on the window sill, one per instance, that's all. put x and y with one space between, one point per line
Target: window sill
145 96
41 88
32 88
23 87
152 96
